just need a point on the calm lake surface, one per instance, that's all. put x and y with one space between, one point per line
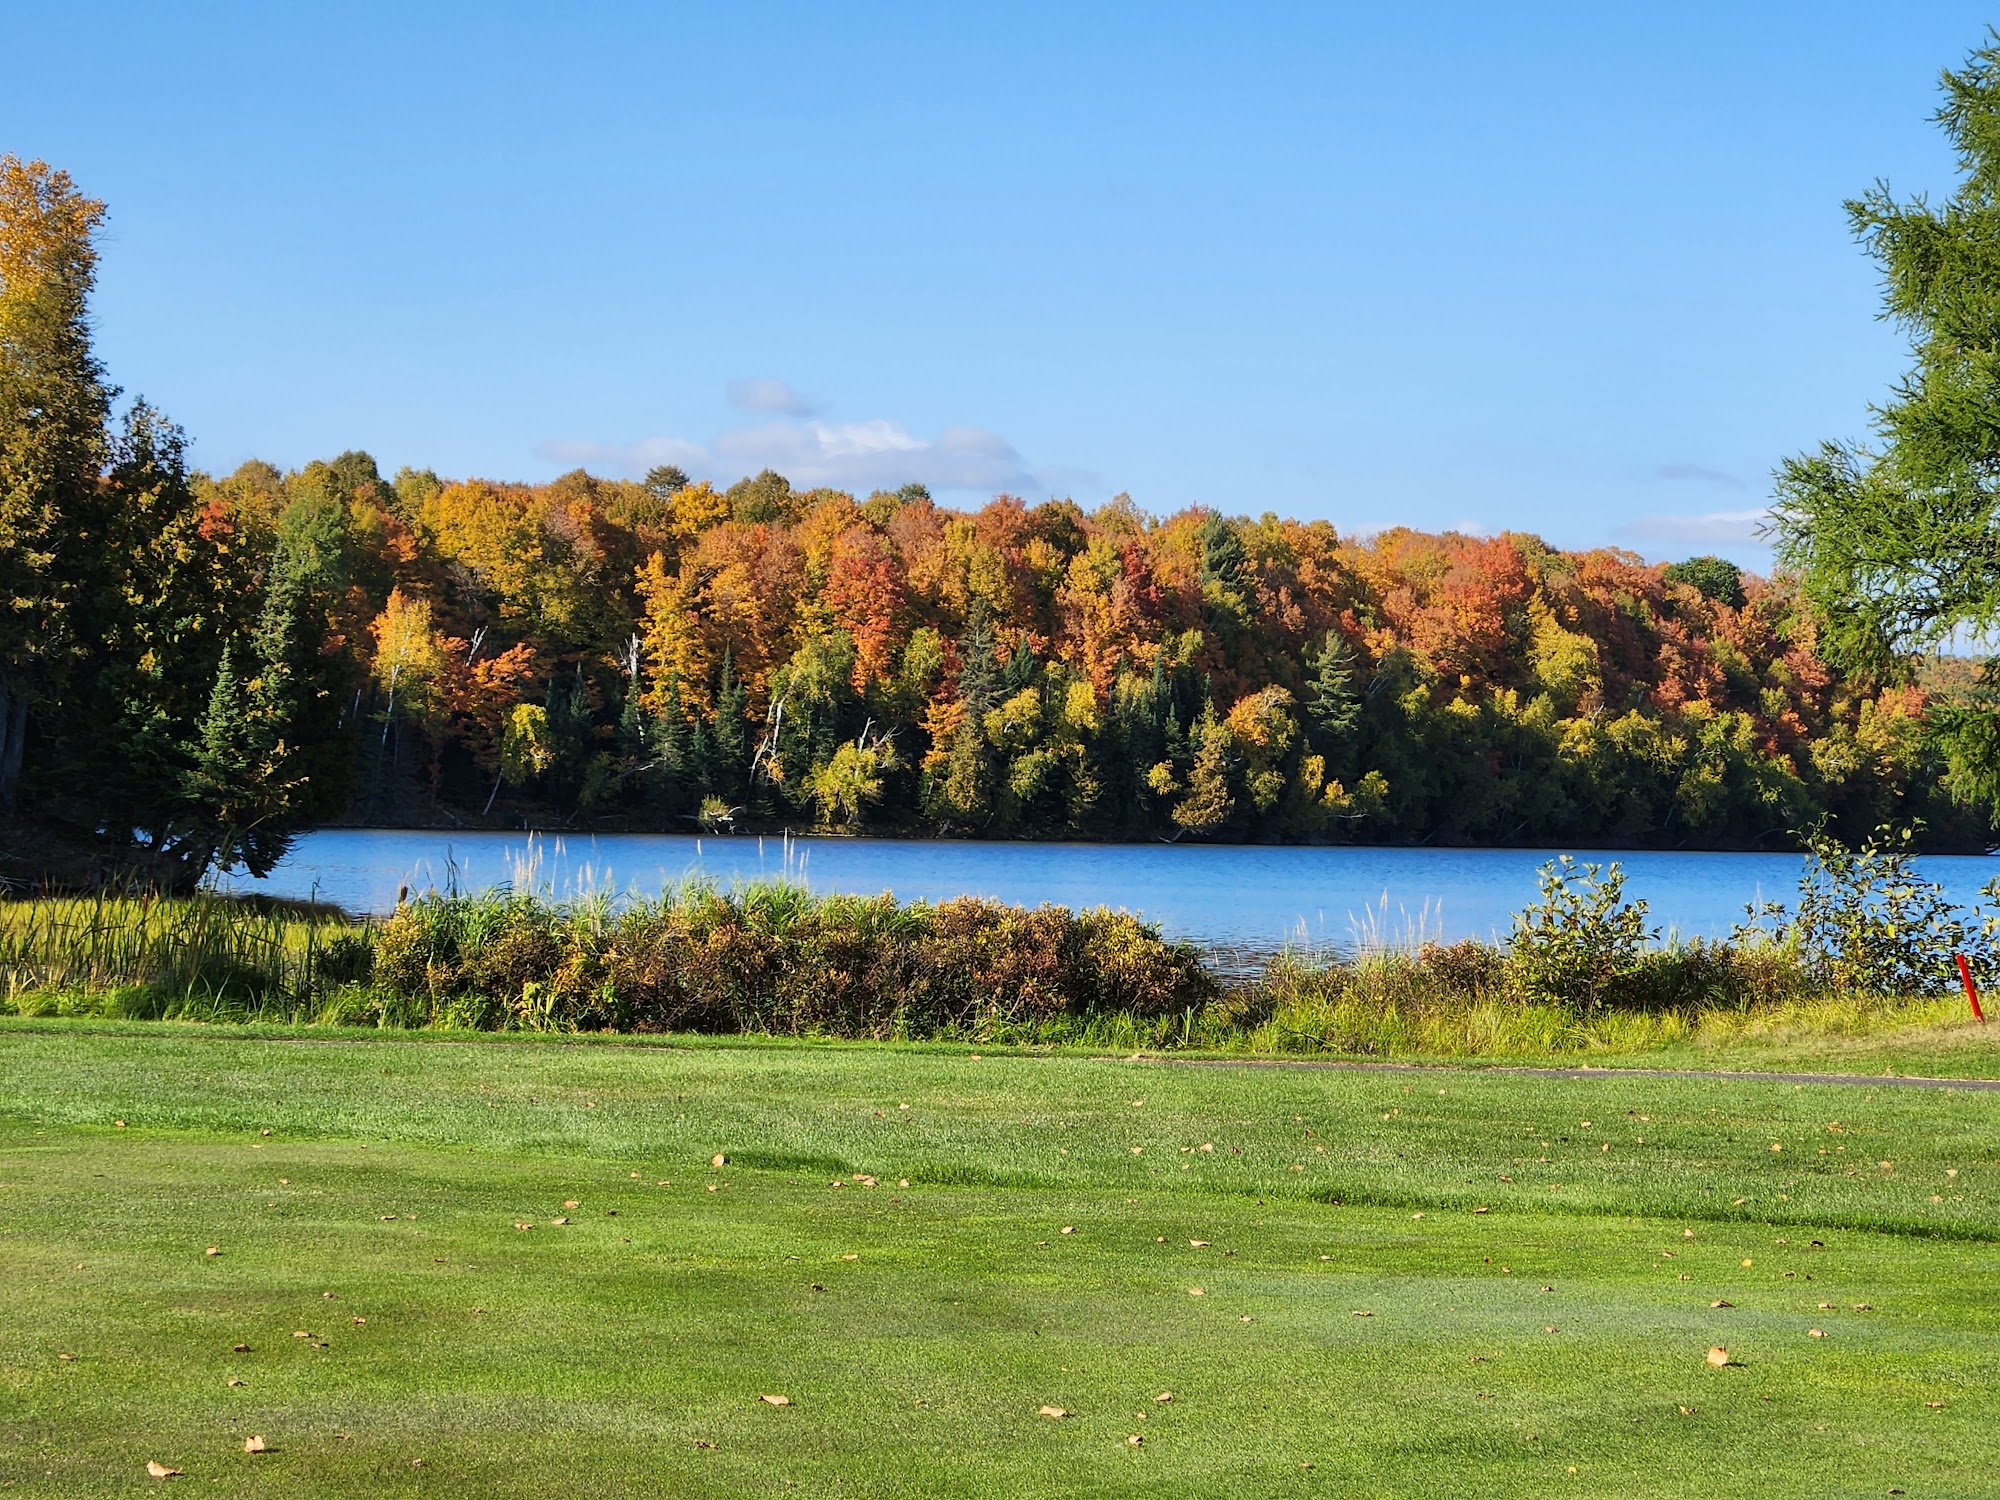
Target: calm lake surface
1249 898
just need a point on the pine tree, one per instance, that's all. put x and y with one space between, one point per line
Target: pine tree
54 401
1331 701
965 792
730 748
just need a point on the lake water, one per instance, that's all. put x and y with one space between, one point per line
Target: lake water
1248 898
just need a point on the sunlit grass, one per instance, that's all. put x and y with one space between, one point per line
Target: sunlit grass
1543 1265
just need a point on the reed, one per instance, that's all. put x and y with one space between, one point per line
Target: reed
225 955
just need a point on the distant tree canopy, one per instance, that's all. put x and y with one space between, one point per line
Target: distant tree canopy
192 667
1714 578
1897 543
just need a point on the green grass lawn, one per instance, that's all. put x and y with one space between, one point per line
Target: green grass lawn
1537 1260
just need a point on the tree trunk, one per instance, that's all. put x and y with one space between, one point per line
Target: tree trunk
13 741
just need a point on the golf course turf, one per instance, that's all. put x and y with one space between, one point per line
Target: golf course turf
494 1267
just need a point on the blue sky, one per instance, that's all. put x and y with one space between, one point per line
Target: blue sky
1575 269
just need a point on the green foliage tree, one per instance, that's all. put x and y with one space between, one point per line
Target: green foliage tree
1208 801
1898 542
1714 578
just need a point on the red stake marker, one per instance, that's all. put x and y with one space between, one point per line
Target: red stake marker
1971 993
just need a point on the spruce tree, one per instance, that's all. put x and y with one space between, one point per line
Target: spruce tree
54 402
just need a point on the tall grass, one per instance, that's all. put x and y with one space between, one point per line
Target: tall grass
146 954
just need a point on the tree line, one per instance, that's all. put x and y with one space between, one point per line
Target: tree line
193 667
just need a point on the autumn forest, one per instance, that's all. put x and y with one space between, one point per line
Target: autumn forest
196 666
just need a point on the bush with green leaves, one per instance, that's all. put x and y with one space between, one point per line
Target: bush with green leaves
1866 920
1581 943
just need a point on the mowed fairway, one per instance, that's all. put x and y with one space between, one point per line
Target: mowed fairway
1351 1283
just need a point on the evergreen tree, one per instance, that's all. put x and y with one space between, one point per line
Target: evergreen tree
1332 703
1898 544
965 792
54 401
729 748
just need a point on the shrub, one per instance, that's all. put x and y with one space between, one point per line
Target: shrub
1865 919
1582 942
777 959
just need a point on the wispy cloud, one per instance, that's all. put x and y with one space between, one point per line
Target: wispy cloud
771 396
857 456
1715 528
1696 474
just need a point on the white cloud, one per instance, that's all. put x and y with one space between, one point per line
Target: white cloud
856 456
1719 528
774 396
1696 474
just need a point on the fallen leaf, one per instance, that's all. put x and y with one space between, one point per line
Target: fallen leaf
1164 1396
718 1160
1055 1413
239 1348
1815 1333
1718 1356
1199 1244
571 1203
121 1125
214 1250
1687 1411
704 1443
560 1219
1069 1229
1864 1307
1195 1291
1135 1440
300 1333
153 1466
1361 1312
1725 1302
776 1400
232 1381
253 1444
1935 1405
